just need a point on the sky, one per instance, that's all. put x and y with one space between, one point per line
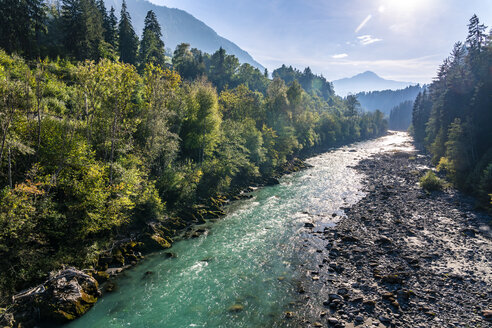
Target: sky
404 40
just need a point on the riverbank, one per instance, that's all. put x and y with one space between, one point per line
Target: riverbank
70 292
400 257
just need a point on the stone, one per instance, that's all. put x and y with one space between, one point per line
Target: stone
333 321
332 297
154 242
101 276
65 296
236 308
392 279
271 182
289 315
170 255
487 315
308 225
384 240
349 239
110 287
342 291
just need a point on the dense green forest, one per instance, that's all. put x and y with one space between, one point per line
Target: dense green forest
453 119
100 134
386 100
400 117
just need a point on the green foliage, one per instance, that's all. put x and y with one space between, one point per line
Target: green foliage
127 38
431 182
452 118
313 84
152 47
201 127
485 184
83 29
401 116
387 100
92 150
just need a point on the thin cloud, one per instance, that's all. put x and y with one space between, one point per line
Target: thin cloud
367 39
339 56
364 22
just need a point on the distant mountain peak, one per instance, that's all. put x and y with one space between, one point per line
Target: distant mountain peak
368 74
179 26
366 81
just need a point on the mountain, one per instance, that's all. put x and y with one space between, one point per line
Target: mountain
367 81
178 26
386 100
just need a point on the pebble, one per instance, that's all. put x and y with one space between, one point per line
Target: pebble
393 248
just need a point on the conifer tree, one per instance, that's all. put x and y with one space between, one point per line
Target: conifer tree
105 18
83 29
152 46
128 39
111 34
21 27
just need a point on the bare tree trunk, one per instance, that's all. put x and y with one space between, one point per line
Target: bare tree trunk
4 136
10 168
39 121
113 135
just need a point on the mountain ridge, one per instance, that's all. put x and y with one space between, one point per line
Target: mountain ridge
179 26
366 82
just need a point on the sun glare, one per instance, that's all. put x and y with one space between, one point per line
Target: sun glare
402 5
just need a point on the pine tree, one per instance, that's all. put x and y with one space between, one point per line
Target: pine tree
128 39
83 29
71 13
152 47
105 18
93 30
475 41
476 34
22 25
111 34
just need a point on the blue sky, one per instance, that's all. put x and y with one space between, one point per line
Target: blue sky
398 39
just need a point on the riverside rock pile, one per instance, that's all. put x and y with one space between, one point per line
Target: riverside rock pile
401 257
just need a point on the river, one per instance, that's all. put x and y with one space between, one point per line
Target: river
244 271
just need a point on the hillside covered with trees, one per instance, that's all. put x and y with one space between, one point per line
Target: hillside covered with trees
453 119
400 117
386 100
99 136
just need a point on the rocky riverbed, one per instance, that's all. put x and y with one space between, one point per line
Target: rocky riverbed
401 257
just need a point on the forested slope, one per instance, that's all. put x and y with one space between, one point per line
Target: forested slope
453 119
104 137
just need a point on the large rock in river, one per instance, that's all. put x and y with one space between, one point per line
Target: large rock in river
65 296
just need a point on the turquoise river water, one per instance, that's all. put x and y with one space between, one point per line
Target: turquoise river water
249 259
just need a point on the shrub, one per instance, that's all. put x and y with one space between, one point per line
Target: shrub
431 182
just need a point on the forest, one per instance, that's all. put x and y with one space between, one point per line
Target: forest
102 133
400 117
452 119
386 100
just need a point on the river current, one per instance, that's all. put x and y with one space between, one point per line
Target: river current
244 271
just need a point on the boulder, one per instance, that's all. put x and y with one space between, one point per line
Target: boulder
271 182
154 242
65 296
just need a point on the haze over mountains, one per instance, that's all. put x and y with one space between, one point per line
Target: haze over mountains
178 26
367 81
386 100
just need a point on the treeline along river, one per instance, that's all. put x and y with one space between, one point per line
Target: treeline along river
243 271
